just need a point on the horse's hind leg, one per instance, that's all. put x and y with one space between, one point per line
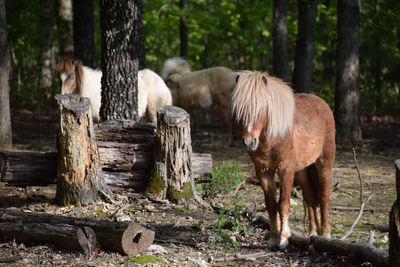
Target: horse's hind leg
324 169
308 196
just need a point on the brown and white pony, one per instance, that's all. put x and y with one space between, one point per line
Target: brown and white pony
292 135
153 93
200 89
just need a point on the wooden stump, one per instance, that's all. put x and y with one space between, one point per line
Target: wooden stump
79 176
394 224
172 175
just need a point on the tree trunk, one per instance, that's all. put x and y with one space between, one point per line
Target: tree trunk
140 35
347 94
183 30
64 22
280 46
79 176
172 174
83 22
5 67
304 55
394 223
120 60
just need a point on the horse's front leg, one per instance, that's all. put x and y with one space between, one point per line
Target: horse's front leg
286 185
266 179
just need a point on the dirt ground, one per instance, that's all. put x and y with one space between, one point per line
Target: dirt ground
187 237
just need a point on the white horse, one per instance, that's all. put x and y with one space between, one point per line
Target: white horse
153 93
200 89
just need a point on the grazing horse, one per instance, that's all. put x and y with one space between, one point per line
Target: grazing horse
153 93
200 89
292 135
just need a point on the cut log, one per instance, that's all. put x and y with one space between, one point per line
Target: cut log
40 169
79 175
122 237
61 235
394 223
32 168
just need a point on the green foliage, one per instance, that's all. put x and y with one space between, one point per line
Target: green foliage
223 179
232 33
229 228
144 259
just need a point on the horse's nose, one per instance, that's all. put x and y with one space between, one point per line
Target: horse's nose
251 143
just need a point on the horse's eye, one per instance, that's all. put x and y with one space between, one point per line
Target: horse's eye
72 77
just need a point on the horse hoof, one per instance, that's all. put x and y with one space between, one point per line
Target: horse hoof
272 244
283 244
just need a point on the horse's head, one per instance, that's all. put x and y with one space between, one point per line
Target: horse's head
71 75
251 133
261 102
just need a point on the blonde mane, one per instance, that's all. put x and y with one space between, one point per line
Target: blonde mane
258 93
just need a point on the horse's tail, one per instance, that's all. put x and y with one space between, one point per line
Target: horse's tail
175 65
313 178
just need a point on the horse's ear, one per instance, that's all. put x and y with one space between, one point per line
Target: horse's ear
237 78
265 80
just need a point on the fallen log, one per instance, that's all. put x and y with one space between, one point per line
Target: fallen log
394 223
64 236
359 252
40 169
123 237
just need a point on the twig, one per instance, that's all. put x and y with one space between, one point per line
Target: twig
361 200
124 207
241 257
345 208
237 188
371 238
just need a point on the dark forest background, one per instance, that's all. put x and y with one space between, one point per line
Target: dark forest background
234 33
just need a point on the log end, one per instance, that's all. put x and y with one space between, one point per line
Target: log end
136 239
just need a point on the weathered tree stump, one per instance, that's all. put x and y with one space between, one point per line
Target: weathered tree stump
172 177
394 223
79 176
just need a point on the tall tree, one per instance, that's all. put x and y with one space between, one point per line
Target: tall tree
280 46
120 60
5 67
64 22
83 22
347 94
304 55
183 30
140 35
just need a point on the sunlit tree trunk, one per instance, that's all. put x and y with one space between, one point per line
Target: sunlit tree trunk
83 22
304 55
280 54
183 30
64 22
5 67
120 60
347 94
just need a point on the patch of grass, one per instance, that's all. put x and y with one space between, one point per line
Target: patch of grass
144 259
223 179
229 226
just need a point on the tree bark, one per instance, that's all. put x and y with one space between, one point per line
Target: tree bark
347 94
280 46
79 176
140 34
304 55
83 22
5 68
125 238
64 22
394 223
183 30
172 174
120 60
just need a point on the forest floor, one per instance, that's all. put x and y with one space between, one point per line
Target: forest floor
190 237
